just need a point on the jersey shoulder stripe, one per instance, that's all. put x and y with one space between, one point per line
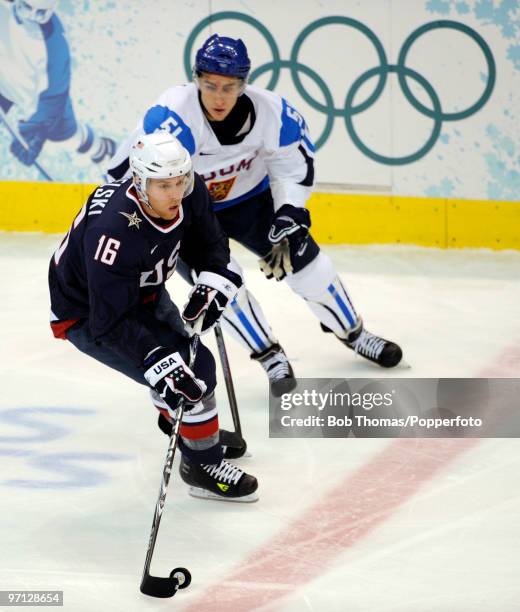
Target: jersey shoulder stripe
176 112
279 116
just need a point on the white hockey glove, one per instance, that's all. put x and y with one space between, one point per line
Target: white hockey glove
170 376
208 300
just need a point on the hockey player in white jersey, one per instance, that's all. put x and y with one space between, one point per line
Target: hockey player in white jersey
35 80
254 151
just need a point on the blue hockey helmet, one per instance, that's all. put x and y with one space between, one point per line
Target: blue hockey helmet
223 55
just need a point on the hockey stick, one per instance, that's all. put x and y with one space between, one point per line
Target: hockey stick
180 577
16 135
229 381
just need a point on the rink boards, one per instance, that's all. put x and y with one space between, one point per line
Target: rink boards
337 218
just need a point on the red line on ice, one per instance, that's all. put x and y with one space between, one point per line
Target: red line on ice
355 507
506 366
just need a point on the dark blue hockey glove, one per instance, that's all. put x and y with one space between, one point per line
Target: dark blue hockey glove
166 371
208 300
34 134
288 235
291 222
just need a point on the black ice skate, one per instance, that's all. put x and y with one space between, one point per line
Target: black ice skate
385 353
234 446
279 370
223 481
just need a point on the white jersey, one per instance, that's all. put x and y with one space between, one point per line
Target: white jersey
23 57
276 153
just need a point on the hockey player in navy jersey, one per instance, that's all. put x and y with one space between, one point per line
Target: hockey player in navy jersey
108 297
36 77
254 151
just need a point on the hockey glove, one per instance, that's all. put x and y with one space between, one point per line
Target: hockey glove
208 300
291 222
34 134
288 234
170 376
277 263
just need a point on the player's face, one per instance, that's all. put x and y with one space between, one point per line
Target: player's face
165 196
219 94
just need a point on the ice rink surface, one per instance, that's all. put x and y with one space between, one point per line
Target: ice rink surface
341 525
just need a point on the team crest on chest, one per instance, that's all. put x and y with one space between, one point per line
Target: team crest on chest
219 190
133 219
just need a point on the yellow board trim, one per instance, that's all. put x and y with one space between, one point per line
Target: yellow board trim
40 207
336 218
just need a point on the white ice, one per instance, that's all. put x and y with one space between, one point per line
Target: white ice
82 457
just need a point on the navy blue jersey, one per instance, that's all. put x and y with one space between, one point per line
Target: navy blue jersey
115 258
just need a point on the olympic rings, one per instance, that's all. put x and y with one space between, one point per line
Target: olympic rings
350 110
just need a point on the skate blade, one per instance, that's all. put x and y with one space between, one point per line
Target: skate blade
402 365
203 494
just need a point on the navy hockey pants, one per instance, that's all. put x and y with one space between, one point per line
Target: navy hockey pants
249 222
165 324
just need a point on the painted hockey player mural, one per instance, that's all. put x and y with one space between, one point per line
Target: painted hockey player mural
35 81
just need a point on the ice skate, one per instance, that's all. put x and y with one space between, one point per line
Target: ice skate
222 481
279 370
385 353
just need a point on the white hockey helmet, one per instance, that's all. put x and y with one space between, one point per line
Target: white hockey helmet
39 11
160 156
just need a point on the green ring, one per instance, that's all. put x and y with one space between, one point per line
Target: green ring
455 25
317 79
382 159
357 25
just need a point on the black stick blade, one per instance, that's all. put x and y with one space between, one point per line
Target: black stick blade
235 445
154 586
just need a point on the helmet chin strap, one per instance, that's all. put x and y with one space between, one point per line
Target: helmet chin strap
147 204
141 194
